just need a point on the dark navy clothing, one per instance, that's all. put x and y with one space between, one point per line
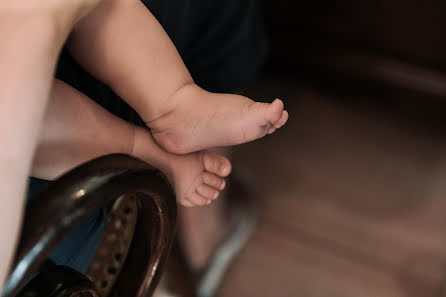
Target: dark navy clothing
77 249
222 45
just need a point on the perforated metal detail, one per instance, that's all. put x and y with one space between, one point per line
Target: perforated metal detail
111 253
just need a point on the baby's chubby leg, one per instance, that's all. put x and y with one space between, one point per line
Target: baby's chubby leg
130 52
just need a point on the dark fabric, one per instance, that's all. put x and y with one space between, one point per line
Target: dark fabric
78 248
223 46
221 42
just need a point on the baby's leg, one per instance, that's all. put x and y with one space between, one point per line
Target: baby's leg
31 34
76 129
132 54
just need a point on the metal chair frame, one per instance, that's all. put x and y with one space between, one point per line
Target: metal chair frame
76 195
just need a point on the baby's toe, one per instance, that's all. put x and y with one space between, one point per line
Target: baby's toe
198 200
271 130
283 119
214 181
274 111
208 192
216 164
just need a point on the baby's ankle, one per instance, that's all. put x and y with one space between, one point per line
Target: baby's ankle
187 90
138 148
144 148
179 99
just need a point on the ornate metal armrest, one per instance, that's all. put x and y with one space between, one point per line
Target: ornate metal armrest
77 194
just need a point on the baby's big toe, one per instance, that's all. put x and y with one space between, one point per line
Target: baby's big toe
216 164
283 119
274 111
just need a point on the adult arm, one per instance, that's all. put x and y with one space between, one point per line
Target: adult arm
31 36
29 47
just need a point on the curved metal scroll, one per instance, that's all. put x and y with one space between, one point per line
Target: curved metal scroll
77 194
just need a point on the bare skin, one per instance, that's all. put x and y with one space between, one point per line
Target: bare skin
131 53
25 82
198 178
203 120
76 129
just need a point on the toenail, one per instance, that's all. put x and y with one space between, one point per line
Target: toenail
225 170
223 185
209 202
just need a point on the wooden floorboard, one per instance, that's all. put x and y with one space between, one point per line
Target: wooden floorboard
353 203
276 265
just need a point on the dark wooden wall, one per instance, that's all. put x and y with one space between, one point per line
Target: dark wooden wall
395 43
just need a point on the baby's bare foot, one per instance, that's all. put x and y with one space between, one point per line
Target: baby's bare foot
198 178
201 120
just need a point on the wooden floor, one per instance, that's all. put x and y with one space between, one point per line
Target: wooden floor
353 205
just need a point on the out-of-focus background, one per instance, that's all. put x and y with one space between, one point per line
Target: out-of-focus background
353 189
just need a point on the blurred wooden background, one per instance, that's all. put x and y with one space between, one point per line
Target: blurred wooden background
394 44
353 201
354 187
